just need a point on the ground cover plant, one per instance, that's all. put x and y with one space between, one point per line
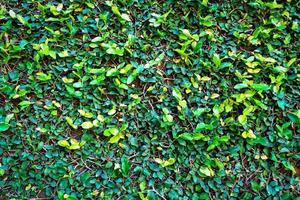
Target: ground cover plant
149 99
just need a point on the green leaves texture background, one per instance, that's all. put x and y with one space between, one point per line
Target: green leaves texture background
148 99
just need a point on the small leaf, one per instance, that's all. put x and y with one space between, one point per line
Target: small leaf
206 171
214 96
242 119
63 143
8 118
177 94
110 131
3 127
43 77
116 138
22 20
59 7
125 17
74 144
67 80
240 86
112 111
291 62
96 39
168 118
217 60
24 104
87 125
168 162
125 165
90 5
70 122
191 137
132 77
248 134
63 54
2 172
12 14
158 160
260 87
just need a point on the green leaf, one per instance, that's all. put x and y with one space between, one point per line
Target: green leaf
8 117
3 127
74 144
2 172
115 10
112 72
110 131
43 77
242 119
63 143
125 165
240 86
112 111
206 171
115 138
132 77
217 60
22 20
12 14
177 94
289 166
70 122
90 5
165 163
24 104
192 136
168 118
260 87
248 134
125 17
169 162
63 54
70 89
87 125
143 185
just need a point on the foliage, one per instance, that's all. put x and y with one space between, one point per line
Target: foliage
148 99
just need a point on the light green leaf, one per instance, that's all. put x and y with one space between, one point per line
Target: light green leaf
24 104
217 60
112 111
206 171
70 122
168 118
2 172
125 17
169 162
87 125
63 143
242 119
192 136
12 14
43 77
177 94
112 72
63 54
74 144
115 138
240 86
115 10
110 131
